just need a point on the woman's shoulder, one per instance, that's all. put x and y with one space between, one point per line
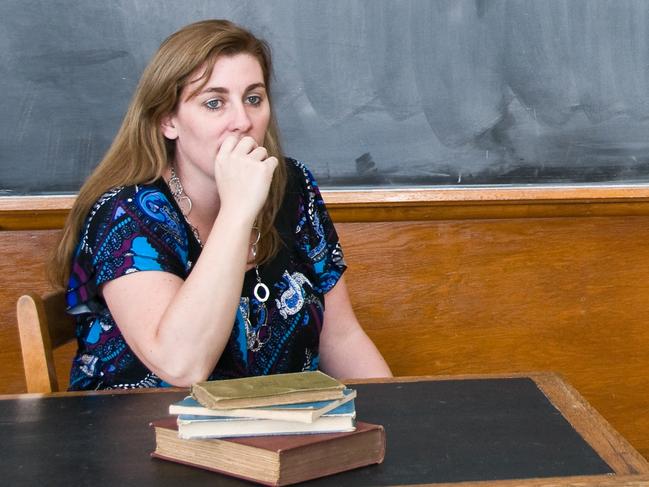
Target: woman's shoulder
299 176
144 206
132 198
303 199
132 193
313 231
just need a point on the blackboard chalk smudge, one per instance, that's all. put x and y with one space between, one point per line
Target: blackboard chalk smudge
365 165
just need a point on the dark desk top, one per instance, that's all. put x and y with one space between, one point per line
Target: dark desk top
438 430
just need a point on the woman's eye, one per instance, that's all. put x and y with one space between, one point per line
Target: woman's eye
214 104
254 99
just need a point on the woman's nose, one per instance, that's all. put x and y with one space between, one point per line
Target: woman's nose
241 121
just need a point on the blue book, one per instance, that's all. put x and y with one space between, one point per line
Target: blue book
301 413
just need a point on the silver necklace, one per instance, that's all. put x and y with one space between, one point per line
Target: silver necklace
260 291
254 338
184 202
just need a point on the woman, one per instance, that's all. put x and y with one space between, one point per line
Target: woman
244 268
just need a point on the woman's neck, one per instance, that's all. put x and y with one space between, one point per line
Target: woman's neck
201 189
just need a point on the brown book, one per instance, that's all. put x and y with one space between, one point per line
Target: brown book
268 390
274 460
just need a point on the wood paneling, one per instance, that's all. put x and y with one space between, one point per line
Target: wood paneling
22 268
496 289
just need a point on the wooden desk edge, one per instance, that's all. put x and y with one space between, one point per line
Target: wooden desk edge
377 380
414 378
107 392
576 481
592 426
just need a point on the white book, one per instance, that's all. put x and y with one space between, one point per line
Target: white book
193 427
301 412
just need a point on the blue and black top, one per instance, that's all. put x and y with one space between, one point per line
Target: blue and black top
141 228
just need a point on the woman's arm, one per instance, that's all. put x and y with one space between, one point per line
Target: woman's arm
177 328
346 352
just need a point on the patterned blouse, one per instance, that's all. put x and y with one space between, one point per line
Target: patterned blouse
141 227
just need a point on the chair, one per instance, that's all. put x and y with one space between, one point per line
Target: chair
43 325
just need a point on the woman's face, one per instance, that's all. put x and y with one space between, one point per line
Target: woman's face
234 101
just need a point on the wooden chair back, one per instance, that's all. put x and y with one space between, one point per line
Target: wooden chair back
43 325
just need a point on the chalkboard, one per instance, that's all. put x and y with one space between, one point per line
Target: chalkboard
368 93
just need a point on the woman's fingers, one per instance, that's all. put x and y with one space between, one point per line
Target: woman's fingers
245 146
228 145
259 153
243 172
272 162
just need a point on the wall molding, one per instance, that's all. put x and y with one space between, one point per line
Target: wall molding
372 205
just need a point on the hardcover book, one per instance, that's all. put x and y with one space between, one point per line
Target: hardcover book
343 418
267 390
303 412
274 460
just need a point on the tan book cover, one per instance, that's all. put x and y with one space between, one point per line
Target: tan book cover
274 460
268 390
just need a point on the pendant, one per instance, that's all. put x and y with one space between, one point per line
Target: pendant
185 205
261 287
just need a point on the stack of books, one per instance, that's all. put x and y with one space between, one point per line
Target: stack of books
275 430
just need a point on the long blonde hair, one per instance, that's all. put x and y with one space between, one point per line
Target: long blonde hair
140 154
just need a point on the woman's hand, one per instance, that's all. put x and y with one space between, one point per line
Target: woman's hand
243 173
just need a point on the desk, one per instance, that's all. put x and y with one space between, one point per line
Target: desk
494 429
